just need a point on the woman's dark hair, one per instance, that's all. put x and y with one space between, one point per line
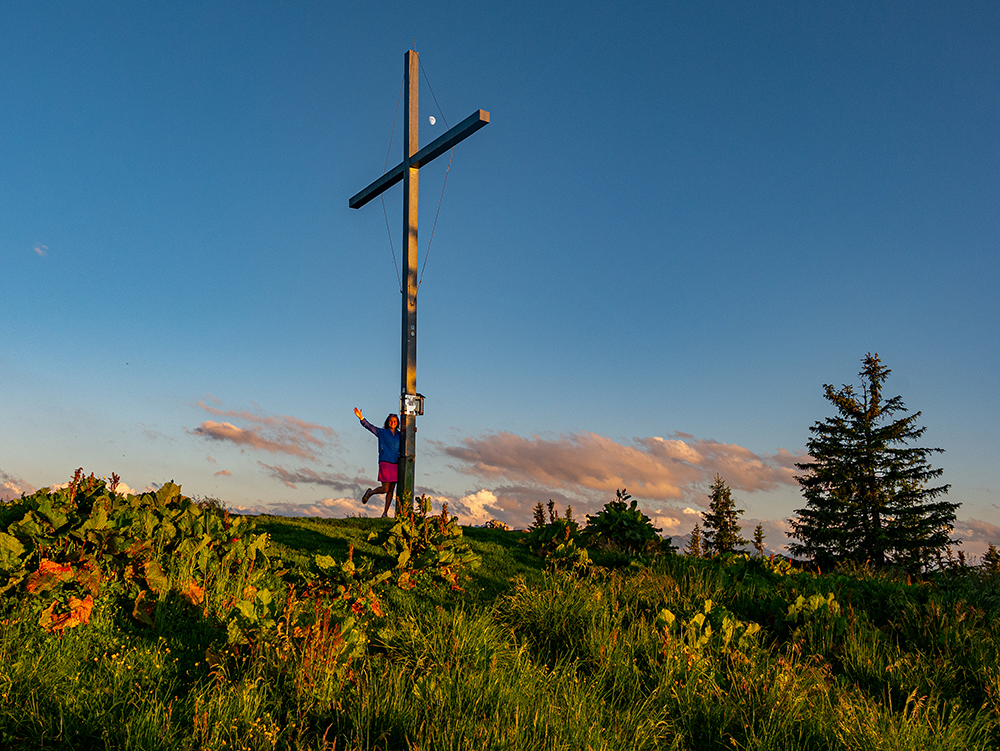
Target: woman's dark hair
386 423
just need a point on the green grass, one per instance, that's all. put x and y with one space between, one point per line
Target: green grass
522 658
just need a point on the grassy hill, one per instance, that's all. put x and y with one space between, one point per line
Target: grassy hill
312 638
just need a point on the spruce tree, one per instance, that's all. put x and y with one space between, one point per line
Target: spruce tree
758 539
722 530
991 559
539 520
694 542
868 493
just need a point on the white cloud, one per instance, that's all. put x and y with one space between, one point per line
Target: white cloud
12 487
274 433
329 508
593 465
476 508
292 477
668 524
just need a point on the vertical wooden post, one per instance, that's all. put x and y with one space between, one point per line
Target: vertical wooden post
409 172
408 359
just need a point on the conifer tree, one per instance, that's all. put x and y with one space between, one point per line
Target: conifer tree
539 520
991 559
867 491
722 530
694 542
758 539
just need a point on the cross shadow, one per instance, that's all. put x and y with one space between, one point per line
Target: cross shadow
304 540
310 536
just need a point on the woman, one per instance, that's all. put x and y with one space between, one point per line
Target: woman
388 458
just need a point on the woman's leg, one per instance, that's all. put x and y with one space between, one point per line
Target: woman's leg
389 488
385 487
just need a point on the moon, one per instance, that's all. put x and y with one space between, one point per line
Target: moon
432 119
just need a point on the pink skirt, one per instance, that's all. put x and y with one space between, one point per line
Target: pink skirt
387 471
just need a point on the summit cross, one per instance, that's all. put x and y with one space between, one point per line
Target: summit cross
408 171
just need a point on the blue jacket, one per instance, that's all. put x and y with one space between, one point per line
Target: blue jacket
388 442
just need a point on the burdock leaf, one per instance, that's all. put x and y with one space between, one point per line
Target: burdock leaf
168 492
137 549
98 517
258 544
11 582
46 618
49 575
29 526
89 576
53 517
11 544
325 561
247 609
155 578
665 619
79 613
193 593
143 611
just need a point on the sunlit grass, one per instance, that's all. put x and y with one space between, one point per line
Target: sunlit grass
522 659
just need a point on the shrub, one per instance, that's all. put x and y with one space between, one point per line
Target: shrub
427 547
695 635
67 548
816 621
621 526
555 540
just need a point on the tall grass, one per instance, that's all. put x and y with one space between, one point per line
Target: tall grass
523 659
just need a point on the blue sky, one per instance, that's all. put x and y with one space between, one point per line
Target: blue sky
682 220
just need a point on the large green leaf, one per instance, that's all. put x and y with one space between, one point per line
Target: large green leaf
49 514
168 492
28 526
188 548
258 544
155 577
11 544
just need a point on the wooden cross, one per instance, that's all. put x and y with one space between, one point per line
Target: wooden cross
408 171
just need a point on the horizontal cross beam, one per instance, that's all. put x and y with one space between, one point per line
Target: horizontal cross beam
434 149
